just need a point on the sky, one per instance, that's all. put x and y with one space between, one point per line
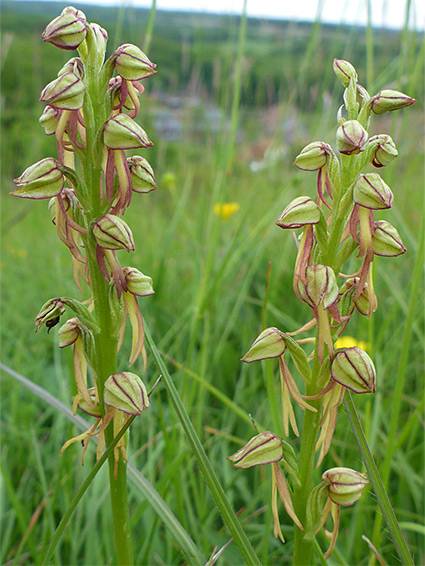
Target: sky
385 13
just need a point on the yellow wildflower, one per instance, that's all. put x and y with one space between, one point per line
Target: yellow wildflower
350 342
226 210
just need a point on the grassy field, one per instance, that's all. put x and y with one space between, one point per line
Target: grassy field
218 282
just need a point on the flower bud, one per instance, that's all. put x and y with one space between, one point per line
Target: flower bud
389 100
385 151
137 283
345 486
314 156
49 120
264 448
69 332
348 292
353 369
132 64
319 286
44 179
66 92
49 314
142 176
351 137
344 71
121 132
298 213
68 30
126 392
112 233
386 240
370 191
94 409
100 39
269 344
74 65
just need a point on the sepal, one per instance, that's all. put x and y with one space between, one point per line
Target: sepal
126 392
269 344
132 64
122 132
68 30
42 180
264 448
345 486
371 192
354 369
66 92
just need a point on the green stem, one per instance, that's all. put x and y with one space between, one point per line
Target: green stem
302 548
377 484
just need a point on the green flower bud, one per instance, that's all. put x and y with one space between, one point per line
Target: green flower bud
94 409
348 292
66 92
389 100
132 64
298 213
370 191
137 283
269 344
50 314
141 173
353 369
68 30
74 65
264 448
44 179
69 332
314 156
345 486
344 71
351 137
126 392
112 233
319 287
121 132
386 240
49 120
385 151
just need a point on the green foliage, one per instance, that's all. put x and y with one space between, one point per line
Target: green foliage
203 324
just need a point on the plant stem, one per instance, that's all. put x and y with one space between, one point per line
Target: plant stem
303 549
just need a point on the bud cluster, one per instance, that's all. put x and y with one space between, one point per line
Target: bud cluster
340 222
91 108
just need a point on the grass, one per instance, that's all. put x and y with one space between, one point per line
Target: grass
210 277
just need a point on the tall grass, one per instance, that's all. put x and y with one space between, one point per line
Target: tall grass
215 281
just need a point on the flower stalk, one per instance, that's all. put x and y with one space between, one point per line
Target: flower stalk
341 223
91 113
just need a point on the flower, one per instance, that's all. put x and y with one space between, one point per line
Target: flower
226 209
350 342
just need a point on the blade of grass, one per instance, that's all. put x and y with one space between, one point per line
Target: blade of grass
377 484
210 476
142 484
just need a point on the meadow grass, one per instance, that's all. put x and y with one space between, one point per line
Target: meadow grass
210 277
